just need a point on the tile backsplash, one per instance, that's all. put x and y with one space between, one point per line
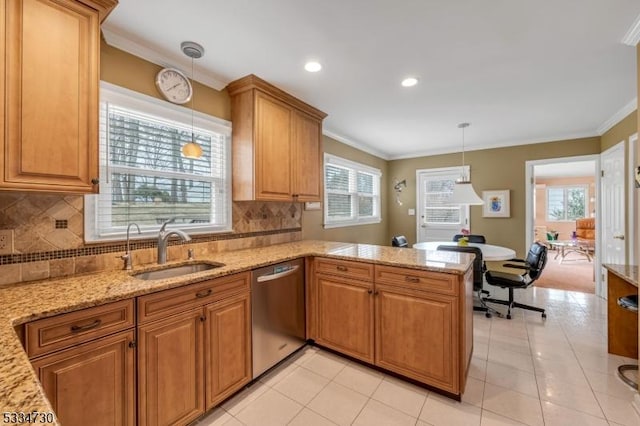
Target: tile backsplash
49 236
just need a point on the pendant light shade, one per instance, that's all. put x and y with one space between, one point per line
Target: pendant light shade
463 192
192 149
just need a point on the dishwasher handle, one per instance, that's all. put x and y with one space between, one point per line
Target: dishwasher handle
271 277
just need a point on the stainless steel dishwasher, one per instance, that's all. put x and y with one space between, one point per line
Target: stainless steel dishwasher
277 313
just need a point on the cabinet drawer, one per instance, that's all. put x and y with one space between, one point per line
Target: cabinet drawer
344 268
168 302
62 331
436 282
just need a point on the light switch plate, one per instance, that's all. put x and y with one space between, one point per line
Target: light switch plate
6 241
412 212
312 205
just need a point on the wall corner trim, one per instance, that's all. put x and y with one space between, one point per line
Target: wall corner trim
618 116
632 37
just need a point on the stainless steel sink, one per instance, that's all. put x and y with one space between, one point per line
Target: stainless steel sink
176 271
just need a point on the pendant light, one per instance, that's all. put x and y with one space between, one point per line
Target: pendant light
463 192
193 50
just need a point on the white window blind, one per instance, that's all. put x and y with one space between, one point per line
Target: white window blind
352 192
437 208
145 179
566 203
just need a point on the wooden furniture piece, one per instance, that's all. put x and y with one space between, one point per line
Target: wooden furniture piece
194 350
85 361
622 324
586 231
277 144
415 323
50 60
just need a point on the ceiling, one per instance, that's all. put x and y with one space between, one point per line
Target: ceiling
572 169
519 71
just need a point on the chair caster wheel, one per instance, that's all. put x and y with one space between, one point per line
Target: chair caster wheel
544 315
508 316
488 315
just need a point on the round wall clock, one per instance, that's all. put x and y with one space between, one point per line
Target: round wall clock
174 85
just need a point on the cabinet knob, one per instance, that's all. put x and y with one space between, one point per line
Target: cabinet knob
132 344
341 268
203 318
369 291
95 181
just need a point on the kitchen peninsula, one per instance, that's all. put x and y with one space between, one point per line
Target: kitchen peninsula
397 284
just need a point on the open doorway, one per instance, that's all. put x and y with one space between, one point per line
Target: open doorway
562 207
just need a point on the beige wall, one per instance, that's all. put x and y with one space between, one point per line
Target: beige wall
491 169
370 234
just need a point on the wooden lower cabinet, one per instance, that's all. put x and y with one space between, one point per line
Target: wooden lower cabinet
171 369
345 315
92 383
228 351
417 335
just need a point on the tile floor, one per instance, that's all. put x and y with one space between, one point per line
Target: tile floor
524 371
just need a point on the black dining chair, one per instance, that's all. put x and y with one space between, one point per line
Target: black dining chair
532 266
473 238
478 275
399 241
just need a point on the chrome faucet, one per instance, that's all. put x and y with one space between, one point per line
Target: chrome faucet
128 264
163 238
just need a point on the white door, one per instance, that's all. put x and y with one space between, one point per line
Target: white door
613 209
436 219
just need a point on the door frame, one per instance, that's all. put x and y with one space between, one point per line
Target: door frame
632 198
529 215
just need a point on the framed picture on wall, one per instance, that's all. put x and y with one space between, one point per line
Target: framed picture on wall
496 203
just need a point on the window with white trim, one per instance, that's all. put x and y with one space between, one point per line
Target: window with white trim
146 180
566 203
351 193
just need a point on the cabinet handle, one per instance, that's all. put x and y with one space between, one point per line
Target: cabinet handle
369 291
132 344
203 318
375 293
341 268
204 293
95 181
78 328
412 279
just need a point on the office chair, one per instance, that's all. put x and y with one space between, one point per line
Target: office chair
473 238
533 265
399 241
478 273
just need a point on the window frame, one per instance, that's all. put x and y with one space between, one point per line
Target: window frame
565 188
354 219
164 111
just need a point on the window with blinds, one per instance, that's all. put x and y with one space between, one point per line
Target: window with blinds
437 209
566 203
146 180
351 193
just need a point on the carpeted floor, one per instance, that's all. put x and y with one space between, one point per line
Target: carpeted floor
573 274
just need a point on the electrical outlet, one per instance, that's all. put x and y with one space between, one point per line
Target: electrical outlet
6 241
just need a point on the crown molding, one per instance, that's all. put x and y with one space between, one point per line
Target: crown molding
356 145
164 59
618 116
632 38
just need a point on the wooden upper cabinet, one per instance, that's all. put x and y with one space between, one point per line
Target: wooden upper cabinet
277 144
51 53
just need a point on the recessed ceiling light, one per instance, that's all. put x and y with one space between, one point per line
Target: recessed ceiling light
409 81
312 66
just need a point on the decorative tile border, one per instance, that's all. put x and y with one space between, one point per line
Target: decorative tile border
134 245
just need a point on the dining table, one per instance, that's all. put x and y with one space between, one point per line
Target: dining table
490 252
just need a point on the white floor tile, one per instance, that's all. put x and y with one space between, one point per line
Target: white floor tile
217 417
359 378
271 408
244 398
307 417
512 404
618 410
401 395
325 364
478 368
439 410
557 415
512 378
516 360
376 413
473 392
610 384
580 398
278 373
493 419
337 403
302 385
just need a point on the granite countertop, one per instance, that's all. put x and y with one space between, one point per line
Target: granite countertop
629 273
20 390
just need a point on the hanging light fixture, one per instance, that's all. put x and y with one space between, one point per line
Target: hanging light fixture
194 51
463 192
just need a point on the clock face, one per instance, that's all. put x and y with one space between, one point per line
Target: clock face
174 86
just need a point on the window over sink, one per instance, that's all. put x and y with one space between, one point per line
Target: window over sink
145 179
351 193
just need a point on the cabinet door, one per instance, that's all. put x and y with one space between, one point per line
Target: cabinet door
228 347
306 166
416 336
51 96
345 316
273 149
92 383
170 369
